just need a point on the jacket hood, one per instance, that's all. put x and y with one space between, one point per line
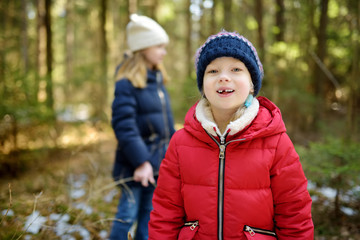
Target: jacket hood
267 122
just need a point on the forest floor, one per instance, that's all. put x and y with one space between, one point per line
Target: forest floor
67 192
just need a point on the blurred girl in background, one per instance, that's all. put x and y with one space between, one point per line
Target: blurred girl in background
143 124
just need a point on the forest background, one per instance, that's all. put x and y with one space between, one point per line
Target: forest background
57 63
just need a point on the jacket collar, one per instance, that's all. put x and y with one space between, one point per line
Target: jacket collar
153 74
243 117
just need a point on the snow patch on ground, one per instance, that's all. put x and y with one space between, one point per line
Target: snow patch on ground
35 222
330 194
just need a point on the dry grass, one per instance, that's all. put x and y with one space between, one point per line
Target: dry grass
49 189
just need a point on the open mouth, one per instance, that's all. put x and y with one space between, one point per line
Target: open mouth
225 91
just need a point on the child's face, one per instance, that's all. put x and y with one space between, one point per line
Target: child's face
227 84
155 55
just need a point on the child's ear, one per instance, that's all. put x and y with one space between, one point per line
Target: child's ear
252 90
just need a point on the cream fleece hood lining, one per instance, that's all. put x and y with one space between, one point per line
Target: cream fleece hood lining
243 117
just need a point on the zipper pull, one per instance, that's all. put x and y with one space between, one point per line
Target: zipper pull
222 140
158 77
193 226
249 229
222 152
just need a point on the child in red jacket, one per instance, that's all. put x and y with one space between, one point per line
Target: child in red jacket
232 172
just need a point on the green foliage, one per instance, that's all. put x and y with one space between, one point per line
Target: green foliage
333 163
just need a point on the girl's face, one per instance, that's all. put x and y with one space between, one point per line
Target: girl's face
227 84
154 55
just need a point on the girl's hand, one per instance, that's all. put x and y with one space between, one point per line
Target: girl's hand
144 174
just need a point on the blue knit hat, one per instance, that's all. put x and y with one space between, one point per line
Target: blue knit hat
229 44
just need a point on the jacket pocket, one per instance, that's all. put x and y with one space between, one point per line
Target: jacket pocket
258 233
189 230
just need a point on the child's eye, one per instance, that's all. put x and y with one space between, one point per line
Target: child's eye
212 71
236 69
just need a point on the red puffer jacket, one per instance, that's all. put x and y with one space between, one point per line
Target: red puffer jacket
249 186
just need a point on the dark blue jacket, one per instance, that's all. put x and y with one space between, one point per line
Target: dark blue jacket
143 124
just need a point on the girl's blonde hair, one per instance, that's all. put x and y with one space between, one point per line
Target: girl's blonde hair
134 68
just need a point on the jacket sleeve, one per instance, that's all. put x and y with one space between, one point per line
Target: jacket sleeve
167 217
124 110
292 202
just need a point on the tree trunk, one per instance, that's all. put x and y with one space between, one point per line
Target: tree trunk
312 7
40 49
202 23
3 18
337 203
279 20
213 26
103 96
153 9
227 15
24 49
308 46
69 50
49 59
354 23
132 6
189 52
24 37
259 19
318 75
279 36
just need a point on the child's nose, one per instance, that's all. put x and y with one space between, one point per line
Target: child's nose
224 77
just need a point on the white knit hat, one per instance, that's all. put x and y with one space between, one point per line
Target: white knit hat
143 32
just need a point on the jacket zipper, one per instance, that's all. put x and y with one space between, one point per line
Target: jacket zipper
192 225
163 105
222 147
253 231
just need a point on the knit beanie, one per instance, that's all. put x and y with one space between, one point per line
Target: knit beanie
229 44
143 32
